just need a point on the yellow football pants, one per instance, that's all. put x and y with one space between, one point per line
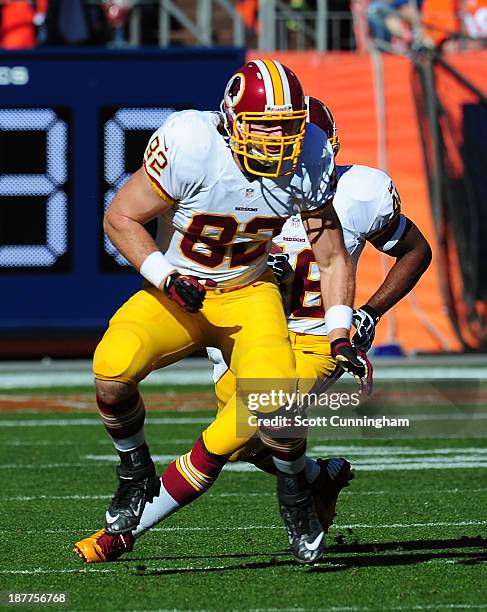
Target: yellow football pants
313 361
248 325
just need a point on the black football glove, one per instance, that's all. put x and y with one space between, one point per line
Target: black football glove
279 264
186 291
355 362
365 319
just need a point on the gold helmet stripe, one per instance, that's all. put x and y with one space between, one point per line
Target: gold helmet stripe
285 84
277 84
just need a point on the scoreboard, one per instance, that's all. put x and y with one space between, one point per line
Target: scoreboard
73 127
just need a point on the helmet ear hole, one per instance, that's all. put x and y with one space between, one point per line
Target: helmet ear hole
238 128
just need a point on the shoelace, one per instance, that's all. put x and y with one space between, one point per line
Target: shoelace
300 520
125 492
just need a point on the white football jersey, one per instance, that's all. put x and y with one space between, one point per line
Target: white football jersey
366 202
221 221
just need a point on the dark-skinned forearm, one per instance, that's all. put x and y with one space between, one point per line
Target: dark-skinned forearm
401 278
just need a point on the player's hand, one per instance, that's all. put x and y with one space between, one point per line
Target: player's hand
365 319
279 264
355 362
187 291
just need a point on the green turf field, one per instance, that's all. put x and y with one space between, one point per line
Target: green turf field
409 537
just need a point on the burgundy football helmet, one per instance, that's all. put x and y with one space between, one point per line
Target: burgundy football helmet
320 115
267 93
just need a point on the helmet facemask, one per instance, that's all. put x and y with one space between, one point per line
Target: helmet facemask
335 144
275 155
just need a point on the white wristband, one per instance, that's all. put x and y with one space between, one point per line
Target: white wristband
338 316
155 268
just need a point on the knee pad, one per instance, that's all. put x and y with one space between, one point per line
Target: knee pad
115 355
224 389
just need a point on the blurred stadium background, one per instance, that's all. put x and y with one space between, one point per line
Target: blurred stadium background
82 86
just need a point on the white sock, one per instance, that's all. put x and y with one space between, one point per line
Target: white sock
159 508
130 443
290 467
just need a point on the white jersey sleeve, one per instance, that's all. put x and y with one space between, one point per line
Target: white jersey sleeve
369 206
389 219
174 159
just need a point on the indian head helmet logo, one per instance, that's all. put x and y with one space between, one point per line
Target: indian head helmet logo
234 90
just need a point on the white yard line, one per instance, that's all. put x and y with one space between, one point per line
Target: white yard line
450 415
45 466
25 498
395 450
439 606
329 609
189 568
184 420
431 525
446 460
180 376
41 570
47 443
77 442
95 570
363 465
115 459
397 467
85 422
46 380
411 525
372 466
351 526
28 498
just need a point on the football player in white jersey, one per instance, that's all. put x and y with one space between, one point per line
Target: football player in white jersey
222 186
369 208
